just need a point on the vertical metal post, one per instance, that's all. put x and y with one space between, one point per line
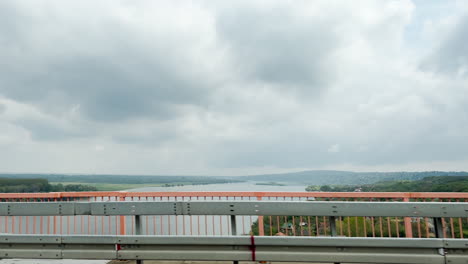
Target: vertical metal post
407 220
138 228
233 225
234 231
332 226
122 223
138 225
261 230
333 232
439 231
438 227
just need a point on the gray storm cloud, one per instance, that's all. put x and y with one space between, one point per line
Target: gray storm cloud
102 65
173 87
280 47
451 57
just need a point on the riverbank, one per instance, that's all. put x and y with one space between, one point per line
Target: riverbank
249 186
108 187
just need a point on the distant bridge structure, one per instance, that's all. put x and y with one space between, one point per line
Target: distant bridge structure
237 226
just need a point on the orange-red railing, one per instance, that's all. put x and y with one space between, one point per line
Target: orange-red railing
219 225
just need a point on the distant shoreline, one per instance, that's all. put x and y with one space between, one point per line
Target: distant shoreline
271 183
128 186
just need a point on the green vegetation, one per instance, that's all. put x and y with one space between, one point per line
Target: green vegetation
63 182
317 177
270 183
292 226
331 177
8 185
122 186
346 226
23 185
123 179
372 226
428 184
108 186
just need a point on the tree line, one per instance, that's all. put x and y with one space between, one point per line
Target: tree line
123 179
428 184
9 185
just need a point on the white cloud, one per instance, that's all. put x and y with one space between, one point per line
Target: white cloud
334 148
216 88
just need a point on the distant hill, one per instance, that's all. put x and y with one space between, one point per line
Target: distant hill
312 177
428 184
322 177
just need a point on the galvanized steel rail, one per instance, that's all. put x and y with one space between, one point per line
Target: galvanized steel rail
197 225
309 208
236 248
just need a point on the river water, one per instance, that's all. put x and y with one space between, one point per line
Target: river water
241 186
211 225
206 225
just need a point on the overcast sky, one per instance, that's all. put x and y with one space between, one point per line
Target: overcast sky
233 87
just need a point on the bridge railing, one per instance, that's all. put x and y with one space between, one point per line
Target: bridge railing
219 225
235 247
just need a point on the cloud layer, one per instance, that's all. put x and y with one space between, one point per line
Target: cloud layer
179 87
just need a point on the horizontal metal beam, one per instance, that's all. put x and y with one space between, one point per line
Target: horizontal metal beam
233 240
305 208
124 194
316 208
298 249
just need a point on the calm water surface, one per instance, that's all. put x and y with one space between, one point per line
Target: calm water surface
233 187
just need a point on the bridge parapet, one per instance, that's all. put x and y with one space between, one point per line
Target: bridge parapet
199 244
266 224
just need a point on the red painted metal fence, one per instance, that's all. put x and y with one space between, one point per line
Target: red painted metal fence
220 225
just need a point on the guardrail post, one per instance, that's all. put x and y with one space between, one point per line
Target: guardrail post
138 228
261 230
333 232
122 223
138 225
233 225
407 220
438 227
332 221
234 231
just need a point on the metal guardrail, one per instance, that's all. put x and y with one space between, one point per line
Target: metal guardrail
310 208
236 248
201 225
